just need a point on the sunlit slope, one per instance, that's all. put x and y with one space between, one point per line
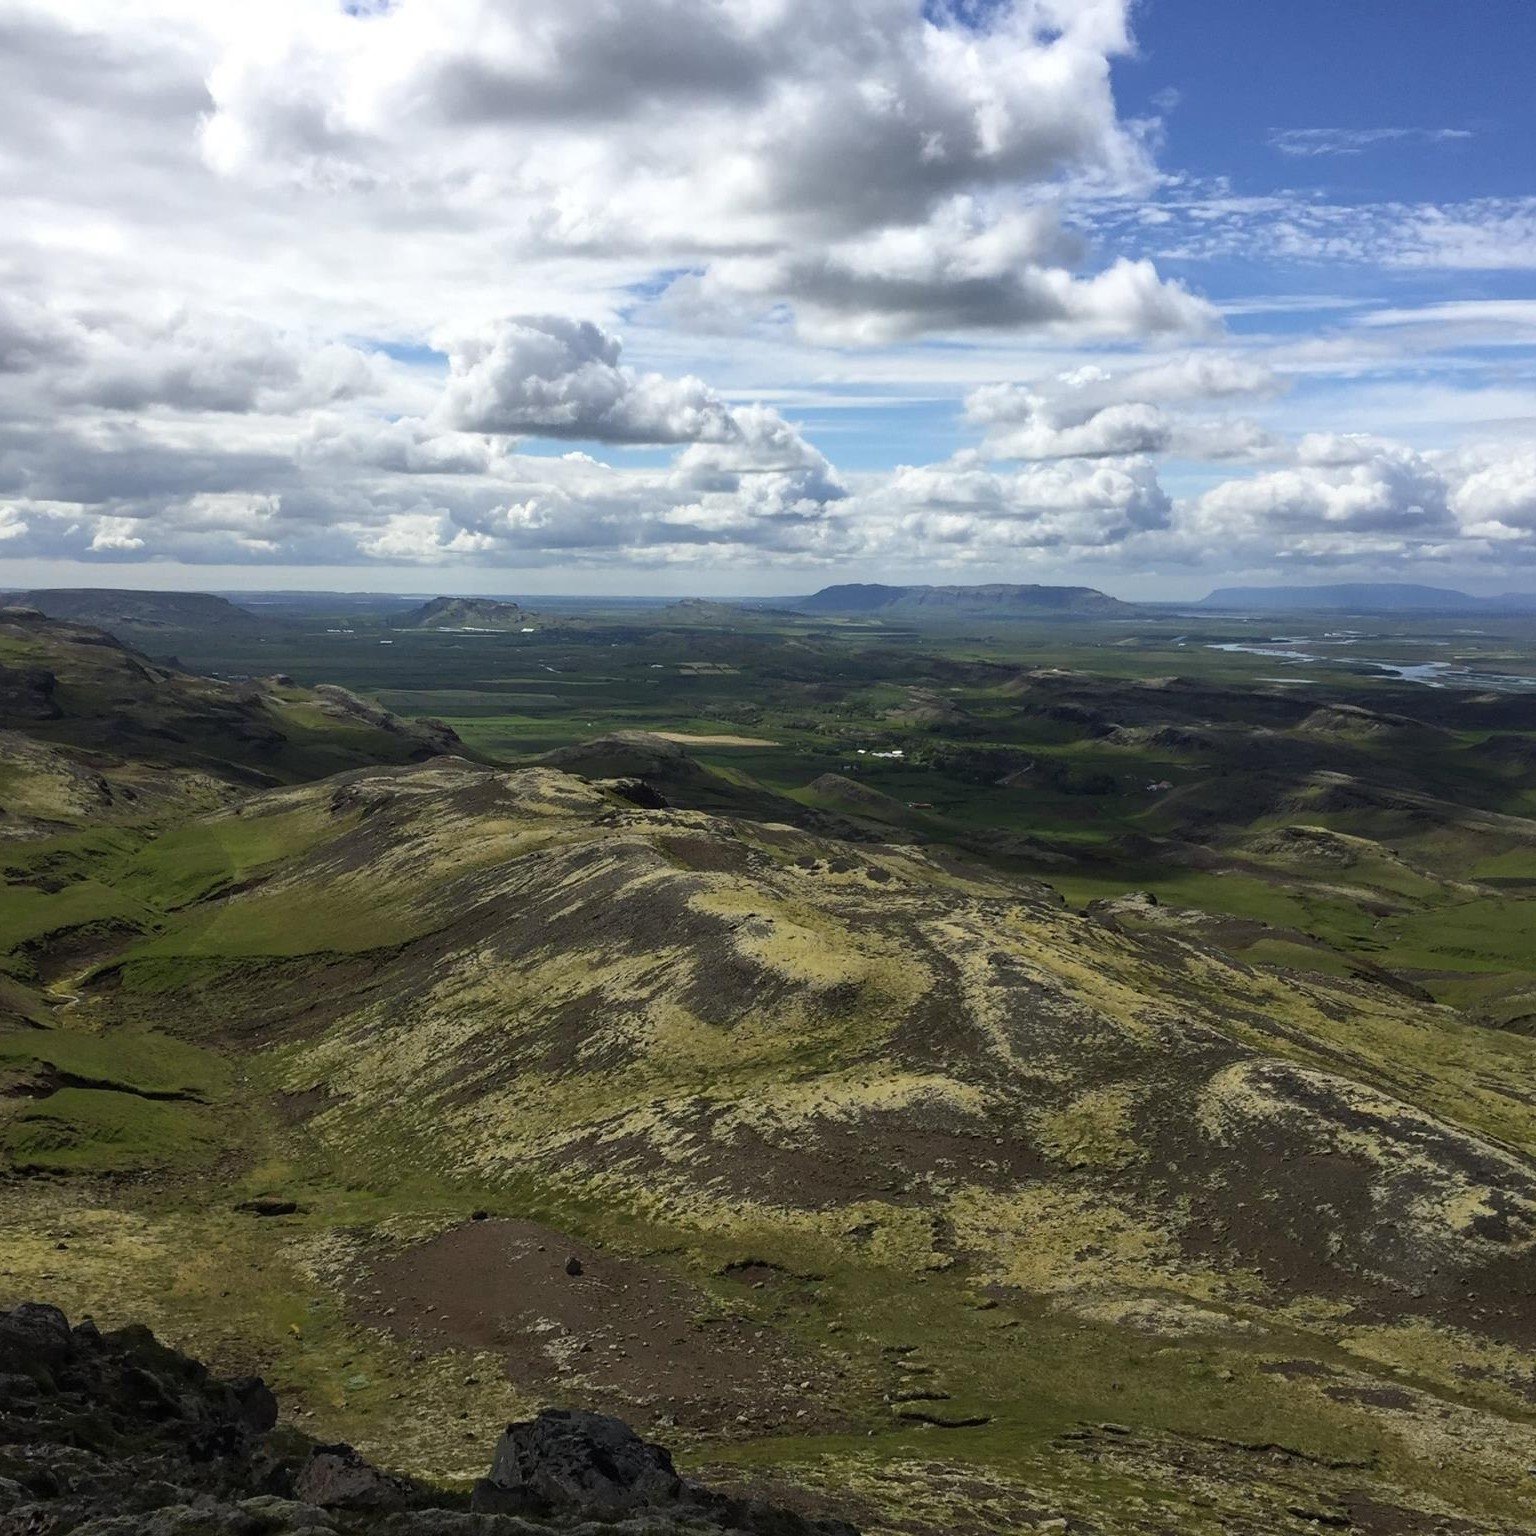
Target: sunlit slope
732 1023
973 1168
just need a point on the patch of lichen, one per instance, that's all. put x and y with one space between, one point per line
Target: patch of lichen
1452 1362
1097 1128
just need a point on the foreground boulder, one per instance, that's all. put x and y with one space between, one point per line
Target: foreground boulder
561 1459
113 1434
566 1463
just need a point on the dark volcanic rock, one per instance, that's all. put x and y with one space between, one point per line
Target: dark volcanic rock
113 1434
570 1463
336 1477
268 1205
568 1460
95 1425
637 792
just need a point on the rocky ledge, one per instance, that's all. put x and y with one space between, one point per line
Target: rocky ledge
114 1434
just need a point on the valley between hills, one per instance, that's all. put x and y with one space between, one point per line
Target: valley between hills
1022 1065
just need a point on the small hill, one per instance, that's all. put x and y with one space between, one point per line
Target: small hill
928 709
703 610
470 613
708 610
992 601
1351 722
114 609
683 783
1353 597
857 799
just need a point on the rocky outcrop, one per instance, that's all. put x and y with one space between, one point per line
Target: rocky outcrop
27 694
566 1463
483 614
436 736
113 1434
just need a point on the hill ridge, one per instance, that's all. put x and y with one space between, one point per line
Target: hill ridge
134 609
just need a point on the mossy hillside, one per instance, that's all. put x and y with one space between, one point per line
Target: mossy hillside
135 1061
85 893
1438 778
331 880
1440 941
110 754
957 1104
45 789
659 1095
123 1102
560 904
22 1006
93 694
212 855
28 914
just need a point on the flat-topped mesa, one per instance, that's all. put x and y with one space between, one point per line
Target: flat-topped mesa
117 1427
996 600
1373 597
471 613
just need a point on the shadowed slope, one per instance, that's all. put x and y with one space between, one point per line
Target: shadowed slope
140 613
686 784
74 689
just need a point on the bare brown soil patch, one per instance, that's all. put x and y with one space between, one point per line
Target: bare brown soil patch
1372 1397
622 1333
1293 1370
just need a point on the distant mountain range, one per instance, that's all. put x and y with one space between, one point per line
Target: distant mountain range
991 601
113 609
1365 597
139 613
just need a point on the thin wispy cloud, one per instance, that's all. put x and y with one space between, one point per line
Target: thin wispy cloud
1306 142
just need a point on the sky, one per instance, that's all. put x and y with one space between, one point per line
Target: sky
752 296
